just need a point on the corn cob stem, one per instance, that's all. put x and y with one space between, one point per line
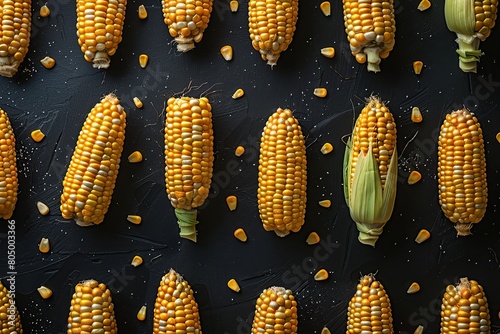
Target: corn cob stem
373 58
187 223
468 54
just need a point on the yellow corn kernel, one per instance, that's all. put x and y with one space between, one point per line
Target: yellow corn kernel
136 261
8 166
227 52
233 4
233 285
275 310
498 137
320 92
325 330
414 287
42 208
414 177
360 58
321 275
48 62
422 236
44 292
419 330
424 5
143 60
37 135
326 203
135 157
44 245
326 8
44 11
141 315
417 66
240 235
312 238
416 115
232 202
134 219
138 103
239 151
238 93
328 52
142 12
10 321
326 148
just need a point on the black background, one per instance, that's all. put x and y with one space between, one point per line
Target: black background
58 100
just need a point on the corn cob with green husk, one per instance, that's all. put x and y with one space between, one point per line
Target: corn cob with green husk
282 174
8 169
10 321
371 170
15 28
189 157
176 310
472 21
370 26
275 312
463 190
465 309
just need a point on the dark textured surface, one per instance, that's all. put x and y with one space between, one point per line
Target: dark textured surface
58 100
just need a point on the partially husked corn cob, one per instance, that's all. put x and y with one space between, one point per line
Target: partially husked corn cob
272 24
371 170
370 26
369 310
91 176
282 174
8 168
99 29
176 310
186 20
465 309
472 21
92 309
189 157
463 190
10 321
15 29
275 312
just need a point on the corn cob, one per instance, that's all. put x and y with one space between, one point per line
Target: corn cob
15 28
99 29
91 176
472 21
463 190
186 21
370 26
10 321
282 174
8 171
369 310
91 310
176 310
189 158
275 312
465 309
371 170
271 24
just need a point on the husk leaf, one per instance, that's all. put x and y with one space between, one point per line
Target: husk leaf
347 171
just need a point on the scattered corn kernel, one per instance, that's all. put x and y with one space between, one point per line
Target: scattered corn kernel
328 52
417 66
325 330
136 261
321 275
227 52
42 208
414 177
240 235
414 287
239 151
423 5
134 219
326 8
37 135
142 12
134 157
143 60
44 292
234 6
320 92
48 62
326 203
233 285
498 314
419 330
138 103
44 11
239 93
141 315
422 236
416 115
313 238
44 245
232 202
498 137
326 148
